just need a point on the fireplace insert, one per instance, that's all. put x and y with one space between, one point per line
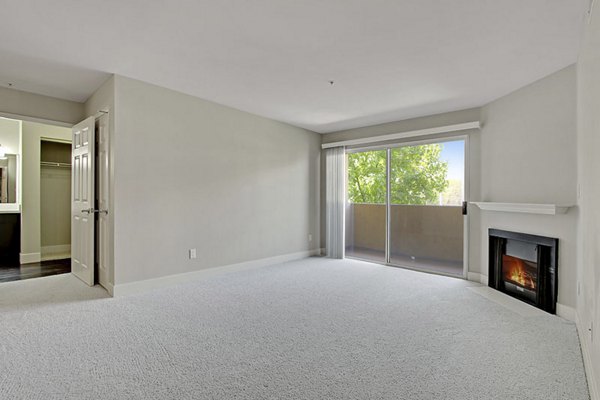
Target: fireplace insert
524 266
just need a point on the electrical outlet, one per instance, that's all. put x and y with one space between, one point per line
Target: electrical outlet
192 253
310 237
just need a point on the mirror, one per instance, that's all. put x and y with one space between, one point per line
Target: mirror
8 179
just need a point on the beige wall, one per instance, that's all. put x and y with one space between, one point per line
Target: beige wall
432 121
55 203
525 152
10 135
37 107
422 231
190 173
588 301
55 199
528 143
529 155
32 133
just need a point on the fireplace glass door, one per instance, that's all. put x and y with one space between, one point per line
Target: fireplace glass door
524 266
520 276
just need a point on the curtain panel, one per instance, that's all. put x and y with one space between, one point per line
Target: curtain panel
335 160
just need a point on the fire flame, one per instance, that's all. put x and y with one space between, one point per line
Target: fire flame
516 271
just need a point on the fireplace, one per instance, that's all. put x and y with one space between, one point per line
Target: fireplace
524 266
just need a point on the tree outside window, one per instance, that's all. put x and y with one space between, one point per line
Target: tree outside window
418 177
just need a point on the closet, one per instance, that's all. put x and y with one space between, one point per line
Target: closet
55 199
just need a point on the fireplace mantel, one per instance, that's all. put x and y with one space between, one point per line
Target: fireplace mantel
546 209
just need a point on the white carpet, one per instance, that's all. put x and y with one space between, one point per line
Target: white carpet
312 329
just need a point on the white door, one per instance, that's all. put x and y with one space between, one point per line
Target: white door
102 187
82 202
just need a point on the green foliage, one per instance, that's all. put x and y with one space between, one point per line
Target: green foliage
453 194
418 176
366 177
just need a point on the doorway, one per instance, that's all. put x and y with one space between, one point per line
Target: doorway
405 205
55 200
36 200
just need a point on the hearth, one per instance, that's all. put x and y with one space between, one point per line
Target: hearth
524 266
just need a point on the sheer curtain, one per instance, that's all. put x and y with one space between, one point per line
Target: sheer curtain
335 160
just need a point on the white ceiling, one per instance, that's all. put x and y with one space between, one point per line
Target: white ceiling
390 59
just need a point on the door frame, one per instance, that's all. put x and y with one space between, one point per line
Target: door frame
467 190
102 110
102 175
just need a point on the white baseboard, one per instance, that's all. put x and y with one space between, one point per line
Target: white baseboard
566 312
28 258
477 277
148 284
587 360
56 252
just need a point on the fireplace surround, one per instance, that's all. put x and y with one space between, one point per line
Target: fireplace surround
524 266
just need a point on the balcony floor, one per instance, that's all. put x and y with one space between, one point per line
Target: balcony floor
445 267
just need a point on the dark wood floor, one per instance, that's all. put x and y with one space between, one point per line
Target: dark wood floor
35 270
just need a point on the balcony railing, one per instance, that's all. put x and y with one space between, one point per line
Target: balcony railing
416 232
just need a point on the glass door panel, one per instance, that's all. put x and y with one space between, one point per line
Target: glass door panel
426 194
366 205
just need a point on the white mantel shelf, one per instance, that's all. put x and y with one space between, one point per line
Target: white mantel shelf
547 209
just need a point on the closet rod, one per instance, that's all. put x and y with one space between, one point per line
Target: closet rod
55 164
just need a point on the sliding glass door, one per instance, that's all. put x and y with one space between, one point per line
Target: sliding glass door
405 206
366 211
426 221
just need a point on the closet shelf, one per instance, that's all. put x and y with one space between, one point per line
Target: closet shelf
55 164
